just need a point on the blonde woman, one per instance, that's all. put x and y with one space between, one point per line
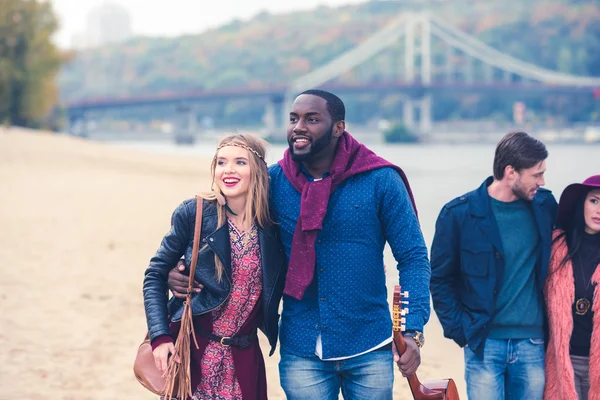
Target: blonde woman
241 267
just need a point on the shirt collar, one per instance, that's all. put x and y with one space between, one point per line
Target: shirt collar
311 178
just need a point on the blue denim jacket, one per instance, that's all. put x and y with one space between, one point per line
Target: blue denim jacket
467 262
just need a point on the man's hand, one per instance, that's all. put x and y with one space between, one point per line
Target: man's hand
178 282
410 360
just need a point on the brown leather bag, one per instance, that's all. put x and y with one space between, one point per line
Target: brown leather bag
144 368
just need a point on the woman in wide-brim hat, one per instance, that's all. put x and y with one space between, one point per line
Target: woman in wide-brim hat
572 300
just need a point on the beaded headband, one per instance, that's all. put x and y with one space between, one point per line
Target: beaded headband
243 146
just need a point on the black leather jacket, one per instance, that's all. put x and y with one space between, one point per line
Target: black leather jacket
178 241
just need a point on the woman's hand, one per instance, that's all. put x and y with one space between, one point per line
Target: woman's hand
161 356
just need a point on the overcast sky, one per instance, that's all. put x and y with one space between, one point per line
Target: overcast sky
176 17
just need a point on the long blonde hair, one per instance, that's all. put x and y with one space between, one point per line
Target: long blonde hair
257 202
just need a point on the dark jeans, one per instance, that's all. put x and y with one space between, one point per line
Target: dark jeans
581 369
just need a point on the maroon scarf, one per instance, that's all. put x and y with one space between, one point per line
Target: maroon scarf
351 158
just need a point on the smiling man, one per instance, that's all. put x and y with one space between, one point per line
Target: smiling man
489 260
337 203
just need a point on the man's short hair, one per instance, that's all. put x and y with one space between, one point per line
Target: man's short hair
335 105
518 150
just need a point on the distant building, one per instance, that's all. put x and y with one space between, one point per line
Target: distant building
106 23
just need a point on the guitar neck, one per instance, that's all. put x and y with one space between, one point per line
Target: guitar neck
398 321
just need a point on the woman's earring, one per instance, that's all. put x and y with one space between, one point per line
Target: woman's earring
219 196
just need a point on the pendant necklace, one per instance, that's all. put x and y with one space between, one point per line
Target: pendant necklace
583 305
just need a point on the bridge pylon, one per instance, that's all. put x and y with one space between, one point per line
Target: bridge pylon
275 114
418 26
185 126
78 124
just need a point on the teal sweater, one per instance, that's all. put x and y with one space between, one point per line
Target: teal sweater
519 309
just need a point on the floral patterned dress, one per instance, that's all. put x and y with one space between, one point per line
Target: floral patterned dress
218 378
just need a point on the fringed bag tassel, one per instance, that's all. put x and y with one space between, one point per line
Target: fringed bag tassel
179 380
178 374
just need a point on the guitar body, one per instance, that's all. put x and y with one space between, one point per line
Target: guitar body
439 389
445 387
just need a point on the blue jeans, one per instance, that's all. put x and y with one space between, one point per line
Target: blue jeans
510 369
366 377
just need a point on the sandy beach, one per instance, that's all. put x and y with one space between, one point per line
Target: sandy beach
80 221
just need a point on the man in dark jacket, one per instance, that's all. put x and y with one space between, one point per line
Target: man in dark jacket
489 259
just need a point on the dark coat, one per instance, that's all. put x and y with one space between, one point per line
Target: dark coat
178 242
467 262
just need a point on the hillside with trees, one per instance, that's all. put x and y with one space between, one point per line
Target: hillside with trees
272 49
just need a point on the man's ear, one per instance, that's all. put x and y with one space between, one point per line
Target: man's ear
339 128
510 172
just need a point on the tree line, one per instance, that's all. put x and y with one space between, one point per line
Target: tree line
562 35
29 62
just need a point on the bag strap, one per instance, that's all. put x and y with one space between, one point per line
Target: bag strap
196 245
178 373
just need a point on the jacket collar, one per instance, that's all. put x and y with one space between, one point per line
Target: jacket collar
480 207
480 201
220 244
538 204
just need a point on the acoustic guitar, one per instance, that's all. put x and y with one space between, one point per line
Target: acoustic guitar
441 389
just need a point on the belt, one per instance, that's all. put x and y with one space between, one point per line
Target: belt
241 341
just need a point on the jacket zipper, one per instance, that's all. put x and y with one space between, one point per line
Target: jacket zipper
269 300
